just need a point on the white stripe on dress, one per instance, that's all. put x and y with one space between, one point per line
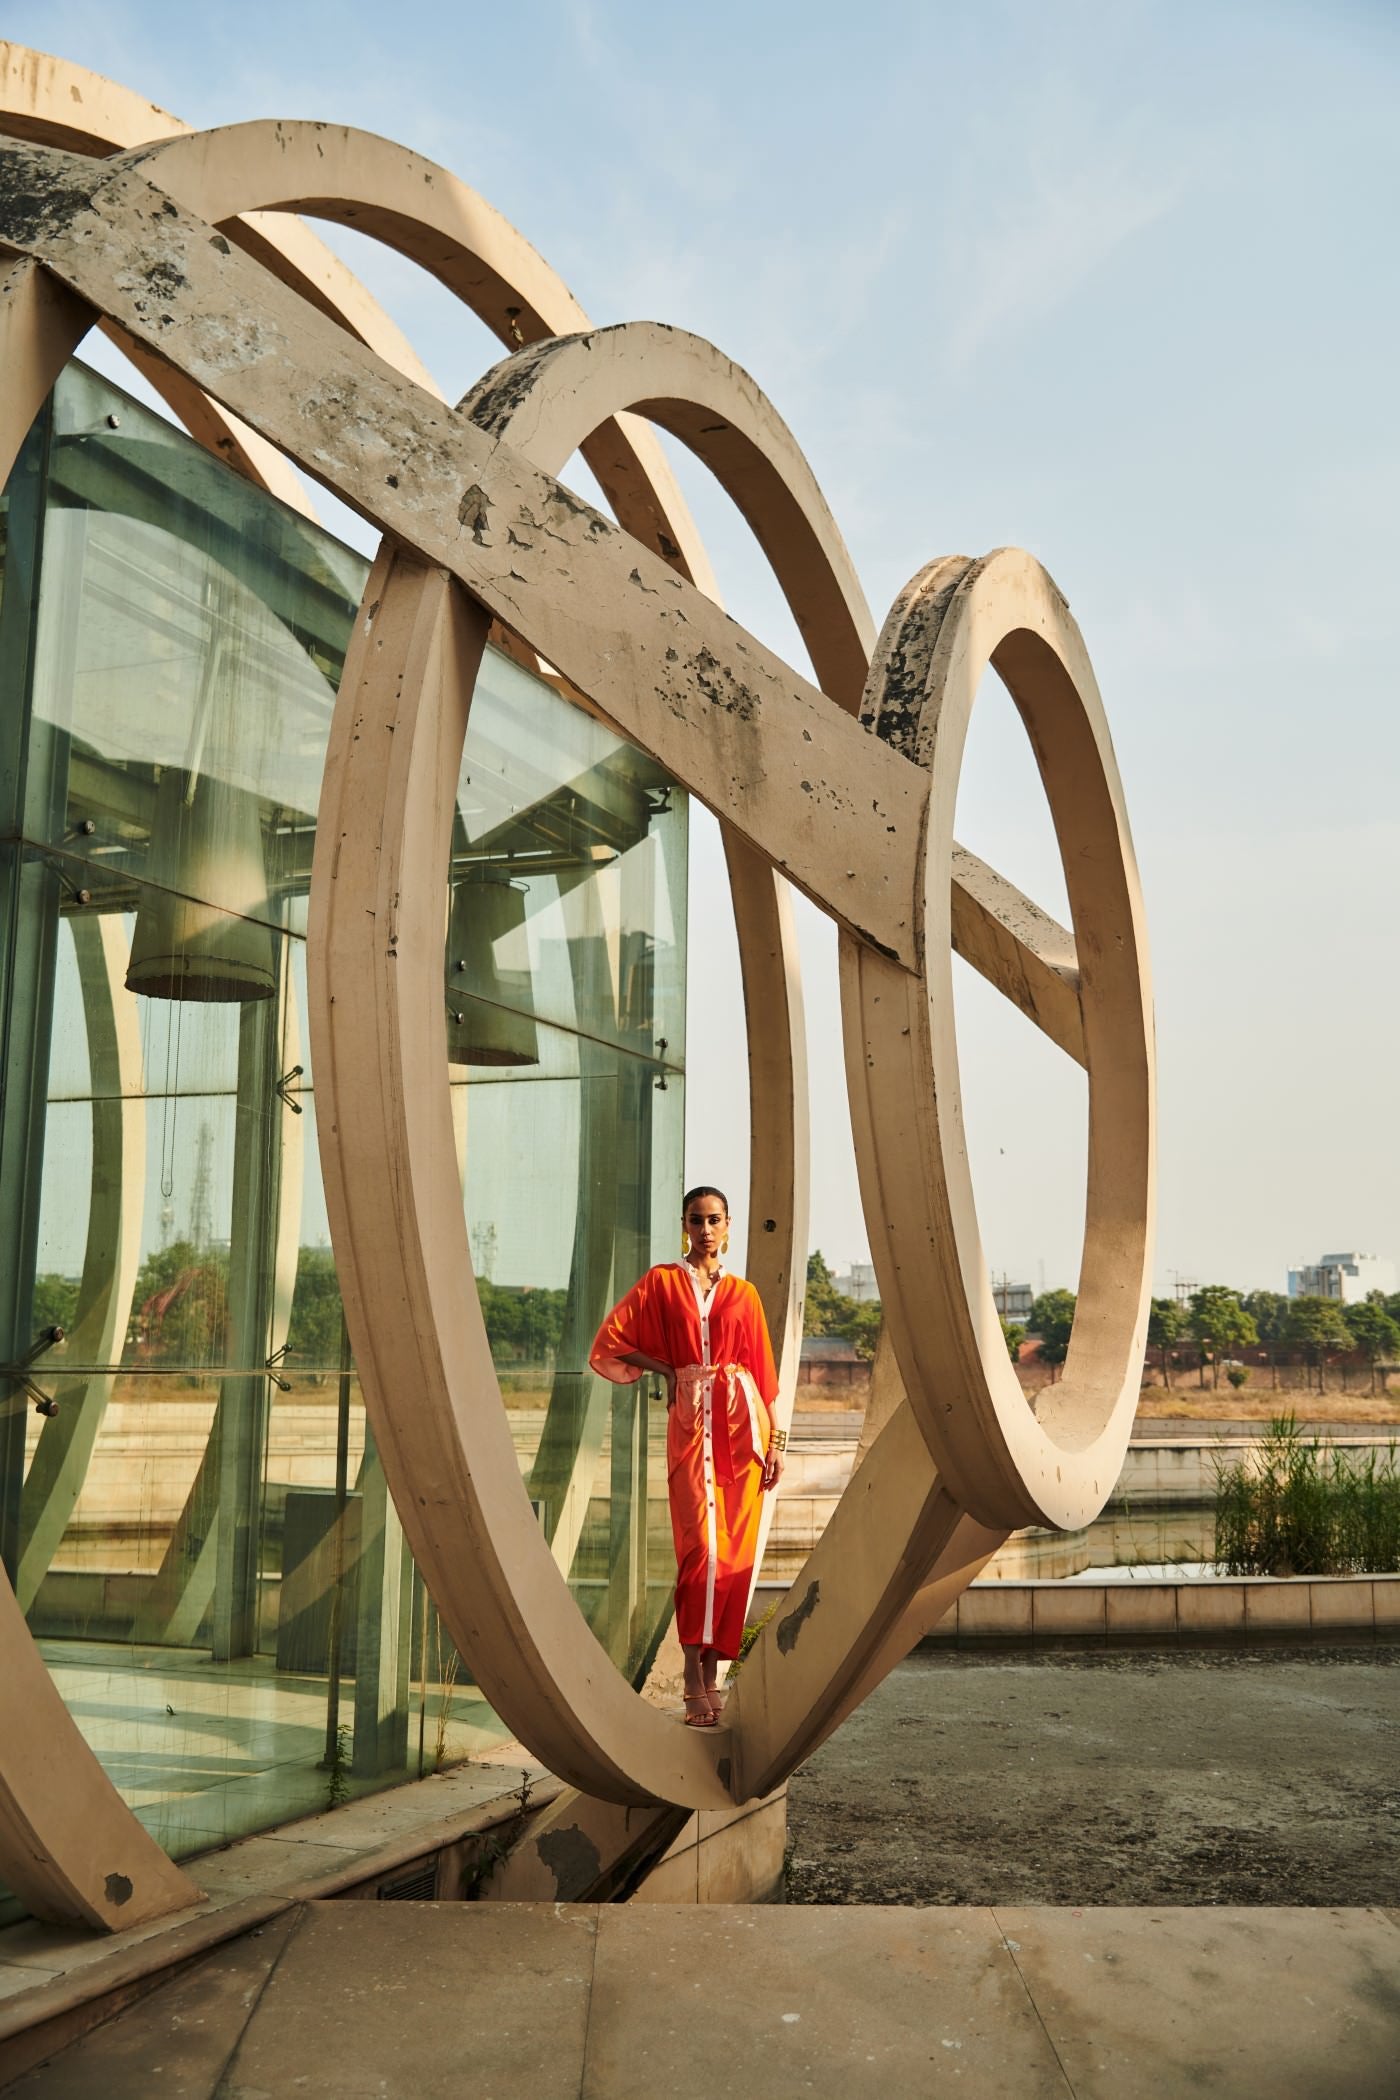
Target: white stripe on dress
702 1299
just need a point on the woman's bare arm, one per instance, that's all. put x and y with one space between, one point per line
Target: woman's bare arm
644 1362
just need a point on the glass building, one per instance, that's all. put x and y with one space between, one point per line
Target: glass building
201 1535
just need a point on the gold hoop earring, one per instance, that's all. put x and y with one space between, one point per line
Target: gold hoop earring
724 1246
685 1245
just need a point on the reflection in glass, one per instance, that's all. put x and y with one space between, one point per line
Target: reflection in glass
488 958
202 1537
196 936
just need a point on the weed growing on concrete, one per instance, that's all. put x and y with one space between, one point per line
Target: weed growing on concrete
494 1847
447 1669
749 1636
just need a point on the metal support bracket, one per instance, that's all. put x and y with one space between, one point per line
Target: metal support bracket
281 1089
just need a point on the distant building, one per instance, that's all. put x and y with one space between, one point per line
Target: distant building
1013 1300
829 1359
1347 1277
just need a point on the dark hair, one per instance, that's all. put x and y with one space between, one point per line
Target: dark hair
704 1190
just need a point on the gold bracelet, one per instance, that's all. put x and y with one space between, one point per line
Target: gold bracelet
778 1440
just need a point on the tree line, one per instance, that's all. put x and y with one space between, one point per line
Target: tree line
180 1314
1217 1323
1206 1333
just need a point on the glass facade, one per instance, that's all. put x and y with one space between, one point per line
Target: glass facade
201 1535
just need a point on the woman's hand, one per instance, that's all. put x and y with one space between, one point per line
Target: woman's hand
654 1365
772 1470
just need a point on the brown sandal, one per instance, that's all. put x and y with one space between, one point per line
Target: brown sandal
716 1698
704 1716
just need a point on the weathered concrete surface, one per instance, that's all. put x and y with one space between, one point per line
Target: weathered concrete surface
415 2001
176 2043
1265 1776
1146 2004
434 2000
748 2002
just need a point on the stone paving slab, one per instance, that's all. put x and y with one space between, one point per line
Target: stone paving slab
506 2001
175 2044
426 2000
735 2003
57 1973
1154 2004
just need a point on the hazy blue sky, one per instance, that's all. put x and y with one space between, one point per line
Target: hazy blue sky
1116 282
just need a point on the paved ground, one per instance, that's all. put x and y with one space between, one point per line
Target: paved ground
389 2001
1102 1777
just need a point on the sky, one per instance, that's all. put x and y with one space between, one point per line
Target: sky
1115 282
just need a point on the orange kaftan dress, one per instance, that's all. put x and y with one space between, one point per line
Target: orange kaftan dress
716 1432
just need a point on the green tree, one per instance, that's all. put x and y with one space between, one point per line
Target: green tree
860 1324
1165 1326
824 1304
1014 1334
180 1306
829 1311
1269 1312
55 1302
1317 1329
1052 1318
524 1322
1373 1332
1220 1324
313 1333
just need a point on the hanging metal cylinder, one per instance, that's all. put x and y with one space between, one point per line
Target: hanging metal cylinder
490 997
196 937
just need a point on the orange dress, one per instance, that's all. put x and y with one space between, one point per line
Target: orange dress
716 1433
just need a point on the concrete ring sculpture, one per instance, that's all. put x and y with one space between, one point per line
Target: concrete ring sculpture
378 1058
667 669
785 1103
1004 1464
44 326
236 176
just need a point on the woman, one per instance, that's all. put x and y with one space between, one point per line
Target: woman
703 1331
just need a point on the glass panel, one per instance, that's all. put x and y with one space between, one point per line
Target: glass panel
571 848
201 1534
162 1122
191 633
571 1192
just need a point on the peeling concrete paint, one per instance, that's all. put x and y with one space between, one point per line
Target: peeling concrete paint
572 1858
790 1627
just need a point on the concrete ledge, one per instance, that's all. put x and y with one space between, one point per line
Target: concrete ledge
1001 1608
57 1983
1068 1607
809 2003
1235 1608
723 1856
1278 1607
1343 1603
1210 1607
81 1978
1139 1608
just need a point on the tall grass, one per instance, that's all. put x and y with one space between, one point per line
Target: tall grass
1304 1508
